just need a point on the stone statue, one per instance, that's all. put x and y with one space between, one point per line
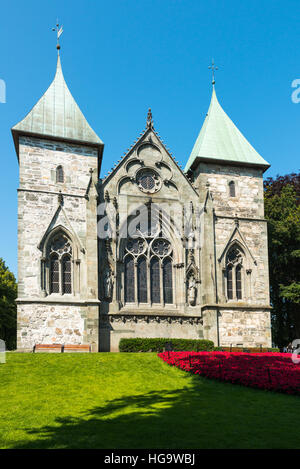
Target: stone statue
192 292
108 284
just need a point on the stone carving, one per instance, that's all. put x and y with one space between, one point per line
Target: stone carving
108 284
192 291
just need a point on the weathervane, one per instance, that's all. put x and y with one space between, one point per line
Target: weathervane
212 67
59 30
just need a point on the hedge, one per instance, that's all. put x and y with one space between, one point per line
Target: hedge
246 349
182 345
158 345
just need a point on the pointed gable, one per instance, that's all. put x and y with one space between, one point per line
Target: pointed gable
57 115
148 137
221 141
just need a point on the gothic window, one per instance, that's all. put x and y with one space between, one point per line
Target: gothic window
59 174
129 279
54 274
66 274
142 280
148 181
238 282
232 189
234 273
229 283
148 270
59 253
167 281
155 280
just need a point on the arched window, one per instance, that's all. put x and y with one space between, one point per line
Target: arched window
155 280
232 189
59 253
59 174
229 283
167 281
148 270
54 274
238 282
129 279
234 273
142 280
66 274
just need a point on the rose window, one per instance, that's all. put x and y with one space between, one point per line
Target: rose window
148 181
136 246
161 247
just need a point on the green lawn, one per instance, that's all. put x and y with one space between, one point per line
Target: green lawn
134 401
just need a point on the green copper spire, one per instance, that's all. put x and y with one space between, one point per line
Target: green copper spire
221 141
57 115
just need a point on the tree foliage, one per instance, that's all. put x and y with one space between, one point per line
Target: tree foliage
8 310
282 209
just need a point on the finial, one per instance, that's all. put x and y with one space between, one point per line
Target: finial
149 119
59 30
212 67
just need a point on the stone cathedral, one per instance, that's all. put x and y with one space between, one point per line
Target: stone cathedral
150 250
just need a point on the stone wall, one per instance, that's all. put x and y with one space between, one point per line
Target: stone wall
248 328
115 327
67 318
47 324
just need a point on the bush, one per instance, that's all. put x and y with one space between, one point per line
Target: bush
246 349
158 345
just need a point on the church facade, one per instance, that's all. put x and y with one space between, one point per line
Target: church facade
148 251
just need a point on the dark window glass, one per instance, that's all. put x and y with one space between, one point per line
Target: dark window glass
129 279
167 281
232 189
229 283
67 275
54 275
238 274
59 174
154 277
142 280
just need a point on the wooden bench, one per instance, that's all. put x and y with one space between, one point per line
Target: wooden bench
50 348
77 348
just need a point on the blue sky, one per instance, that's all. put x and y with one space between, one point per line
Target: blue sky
121 57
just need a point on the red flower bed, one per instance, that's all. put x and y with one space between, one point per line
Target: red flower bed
273 371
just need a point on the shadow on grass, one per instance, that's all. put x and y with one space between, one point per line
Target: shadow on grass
204 414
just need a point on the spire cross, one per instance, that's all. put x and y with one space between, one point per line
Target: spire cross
59 30
213 68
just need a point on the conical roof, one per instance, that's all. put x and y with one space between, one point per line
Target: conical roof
221 141
57 115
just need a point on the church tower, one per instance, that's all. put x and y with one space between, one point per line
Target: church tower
227 172
59 162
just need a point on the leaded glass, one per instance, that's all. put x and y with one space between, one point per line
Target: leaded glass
167 281
129 279
136 245
147 182
229 283
155 281
142 280
54 274
66 275
161 247
238 276
59 174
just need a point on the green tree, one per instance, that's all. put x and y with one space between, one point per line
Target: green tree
8 309
282 209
